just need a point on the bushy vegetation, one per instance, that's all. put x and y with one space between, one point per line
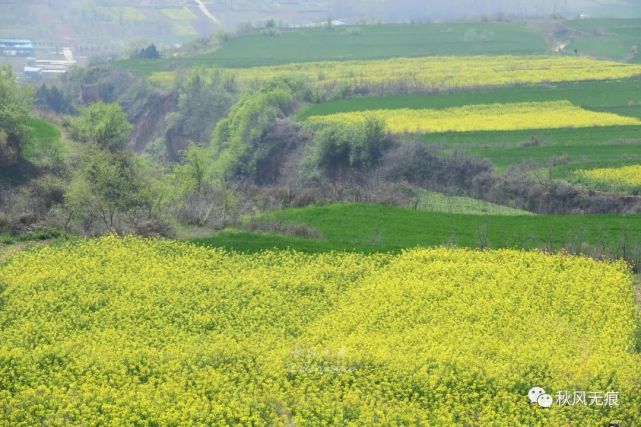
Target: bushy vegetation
237 140
109 190
149 52
52 98
15 103
339 147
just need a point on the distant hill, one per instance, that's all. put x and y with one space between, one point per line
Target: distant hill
102 26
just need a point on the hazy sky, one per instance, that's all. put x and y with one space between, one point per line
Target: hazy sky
402 10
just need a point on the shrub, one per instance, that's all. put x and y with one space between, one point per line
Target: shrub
339 147
237 140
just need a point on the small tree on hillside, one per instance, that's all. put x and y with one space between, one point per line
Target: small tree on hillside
14 115
107 191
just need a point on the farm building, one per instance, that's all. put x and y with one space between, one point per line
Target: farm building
15 47
46 68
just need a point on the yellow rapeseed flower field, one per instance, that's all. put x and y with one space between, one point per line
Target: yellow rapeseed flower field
439 72
627 178
491 117
151 332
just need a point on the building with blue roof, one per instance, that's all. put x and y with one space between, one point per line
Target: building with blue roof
16 47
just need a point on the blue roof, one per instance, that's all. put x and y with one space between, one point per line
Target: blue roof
16 41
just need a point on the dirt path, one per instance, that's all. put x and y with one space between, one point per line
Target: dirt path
206 12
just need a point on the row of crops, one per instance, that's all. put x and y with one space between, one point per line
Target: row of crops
437 73
494 117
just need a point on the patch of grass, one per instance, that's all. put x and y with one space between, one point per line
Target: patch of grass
44 137
617 96
437 202
11 245
250 242
568 149
6 239
371 42
375 228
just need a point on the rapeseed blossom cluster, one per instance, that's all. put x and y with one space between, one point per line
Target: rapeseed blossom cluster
437 72
627 178
127 331
490 117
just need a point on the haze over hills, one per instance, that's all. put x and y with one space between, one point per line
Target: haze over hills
93 26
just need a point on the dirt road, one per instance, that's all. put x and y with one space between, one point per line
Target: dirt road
206 12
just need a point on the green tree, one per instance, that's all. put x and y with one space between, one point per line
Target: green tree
53 99
238 140
204 99
108 187
102 125
14 114
338 147
105 187
191 173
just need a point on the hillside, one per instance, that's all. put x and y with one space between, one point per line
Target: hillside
361 42
100 26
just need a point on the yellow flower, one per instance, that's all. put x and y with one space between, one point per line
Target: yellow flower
130 331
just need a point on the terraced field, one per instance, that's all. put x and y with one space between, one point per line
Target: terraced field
493 117
359 43
567 148
615 95
435 74
446 314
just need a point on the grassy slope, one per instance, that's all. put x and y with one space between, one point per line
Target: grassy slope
607 38
367 228
436 202
43 138
370 42
592 147
568 148
95 23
